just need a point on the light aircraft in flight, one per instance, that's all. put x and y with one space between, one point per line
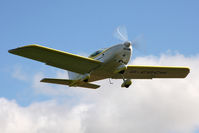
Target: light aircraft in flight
102 64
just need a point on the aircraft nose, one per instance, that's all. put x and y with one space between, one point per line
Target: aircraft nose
127 43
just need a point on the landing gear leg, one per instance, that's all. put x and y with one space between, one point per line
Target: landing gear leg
126 82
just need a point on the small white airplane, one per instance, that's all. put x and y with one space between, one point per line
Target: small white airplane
104 63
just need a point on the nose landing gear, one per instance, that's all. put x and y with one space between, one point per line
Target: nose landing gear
126 82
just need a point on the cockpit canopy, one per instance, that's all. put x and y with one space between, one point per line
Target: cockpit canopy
96 53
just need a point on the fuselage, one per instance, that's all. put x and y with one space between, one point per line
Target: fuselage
117 53
112 58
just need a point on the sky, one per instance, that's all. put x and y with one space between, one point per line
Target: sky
169 31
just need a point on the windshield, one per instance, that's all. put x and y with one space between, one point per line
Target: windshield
96 53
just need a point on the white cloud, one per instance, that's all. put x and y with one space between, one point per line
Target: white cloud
19 74
152 106
46 117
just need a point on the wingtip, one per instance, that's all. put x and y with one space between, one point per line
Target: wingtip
11 51
43 80
30 45
188 71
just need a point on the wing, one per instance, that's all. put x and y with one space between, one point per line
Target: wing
68 82
149 72
59 59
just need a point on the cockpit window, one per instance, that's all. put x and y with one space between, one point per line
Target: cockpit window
96 53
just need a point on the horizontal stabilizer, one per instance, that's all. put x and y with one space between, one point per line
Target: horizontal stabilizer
69 82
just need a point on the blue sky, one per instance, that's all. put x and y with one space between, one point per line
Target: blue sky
82 27
85 26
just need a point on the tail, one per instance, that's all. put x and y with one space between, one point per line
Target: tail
70 83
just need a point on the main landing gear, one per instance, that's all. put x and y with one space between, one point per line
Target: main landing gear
126 82
120 70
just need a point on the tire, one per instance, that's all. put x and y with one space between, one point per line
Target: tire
127 86
86 80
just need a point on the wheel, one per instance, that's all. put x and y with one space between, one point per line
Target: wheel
86 80
127 86
126 83
121 72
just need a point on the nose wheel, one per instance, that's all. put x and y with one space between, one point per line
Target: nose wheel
126 82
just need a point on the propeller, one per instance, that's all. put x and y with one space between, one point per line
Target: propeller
122 34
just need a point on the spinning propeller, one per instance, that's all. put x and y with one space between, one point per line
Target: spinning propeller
122 34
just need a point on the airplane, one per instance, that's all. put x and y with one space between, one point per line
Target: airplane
102 64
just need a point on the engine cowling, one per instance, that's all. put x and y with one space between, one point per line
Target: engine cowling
121 69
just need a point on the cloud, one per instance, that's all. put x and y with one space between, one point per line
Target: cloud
44 117
152 106
19 74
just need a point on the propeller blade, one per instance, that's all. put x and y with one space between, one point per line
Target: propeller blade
139 43
121 33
